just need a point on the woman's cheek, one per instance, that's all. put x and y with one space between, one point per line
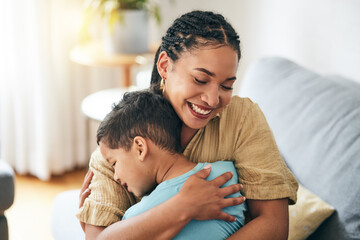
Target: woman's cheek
226 98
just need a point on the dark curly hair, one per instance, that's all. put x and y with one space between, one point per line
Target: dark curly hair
191 31
141 113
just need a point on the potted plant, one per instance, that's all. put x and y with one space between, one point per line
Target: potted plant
124 23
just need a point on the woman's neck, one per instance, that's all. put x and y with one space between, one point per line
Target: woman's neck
186 135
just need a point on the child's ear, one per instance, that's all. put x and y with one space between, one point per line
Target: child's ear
141 147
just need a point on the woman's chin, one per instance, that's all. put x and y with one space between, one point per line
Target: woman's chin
196 124
195 120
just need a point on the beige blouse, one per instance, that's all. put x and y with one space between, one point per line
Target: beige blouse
239 133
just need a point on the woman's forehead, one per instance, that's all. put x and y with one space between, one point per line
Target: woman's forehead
209 58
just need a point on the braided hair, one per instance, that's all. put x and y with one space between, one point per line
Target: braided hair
191 31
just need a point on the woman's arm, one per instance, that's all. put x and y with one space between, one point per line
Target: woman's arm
92 232
270 220
267 180
198 199
161 222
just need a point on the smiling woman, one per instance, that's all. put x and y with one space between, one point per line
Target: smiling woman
195 69
199 84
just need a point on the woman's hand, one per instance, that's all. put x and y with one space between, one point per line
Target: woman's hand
204 200
198 199
85 192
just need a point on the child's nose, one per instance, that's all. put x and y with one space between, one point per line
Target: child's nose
116 178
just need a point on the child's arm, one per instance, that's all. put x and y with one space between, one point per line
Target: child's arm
161 222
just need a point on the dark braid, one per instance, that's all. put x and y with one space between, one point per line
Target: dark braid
194 30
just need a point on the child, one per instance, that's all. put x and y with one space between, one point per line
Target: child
140 138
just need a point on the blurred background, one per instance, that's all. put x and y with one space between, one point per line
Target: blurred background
54 68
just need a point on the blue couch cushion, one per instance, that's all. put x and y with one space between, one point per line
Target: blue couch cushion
316 123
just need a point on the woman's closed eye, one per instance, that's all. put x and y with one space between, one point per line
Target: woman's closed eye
199 81
202 82
227 88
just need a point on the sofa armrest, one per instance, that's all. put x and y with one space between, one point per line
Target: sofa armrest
6 186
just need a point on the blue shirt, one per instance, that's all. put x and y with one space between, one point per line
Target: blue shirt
210 229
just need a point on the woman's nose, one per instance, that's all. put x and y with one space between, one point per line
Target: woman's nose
211 96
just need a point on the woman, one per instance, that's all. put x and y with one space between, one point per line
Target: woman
195 69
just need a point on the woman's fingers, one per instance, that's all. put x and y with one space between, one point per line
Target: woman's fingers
228 190
228 202
204 200
82 224
83 196
204 173
85 191
222 179
226 217
87 180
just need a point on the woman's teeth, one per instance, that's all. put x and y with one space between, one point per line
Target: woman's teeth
198 110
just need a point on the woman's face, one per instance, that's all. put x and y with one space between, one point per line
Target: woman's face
199 84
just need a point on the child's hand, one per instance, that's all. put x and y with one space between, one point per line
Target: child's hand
204 200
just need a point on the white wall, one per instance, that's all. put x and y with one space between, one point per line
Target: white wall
323 35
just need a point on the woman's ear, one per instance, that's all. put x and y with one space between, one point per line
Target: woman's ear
163 64
141 147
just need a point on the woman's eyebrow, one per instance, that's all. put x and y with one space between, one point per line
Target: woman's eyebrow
211 74
231 78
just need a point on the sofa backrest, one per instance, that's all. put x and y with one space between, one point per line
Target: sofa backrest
316 123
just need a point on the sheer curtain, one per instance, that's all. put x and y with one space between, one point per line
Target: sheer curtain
42 129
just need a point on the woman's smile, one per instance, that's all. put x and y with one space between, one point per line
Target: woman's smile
199 111
199 84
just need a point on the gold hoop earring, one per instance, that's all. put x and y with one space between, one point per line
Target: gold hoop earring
162 85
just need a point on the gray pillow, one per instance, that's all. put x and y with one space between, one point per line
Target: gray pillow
316 123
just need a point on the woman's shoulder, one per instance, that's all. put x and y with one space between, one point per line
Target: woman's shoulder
238 107
236 100
241 113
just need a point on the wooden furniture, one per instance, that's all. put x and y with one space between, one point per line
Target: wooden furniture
98 104
93 55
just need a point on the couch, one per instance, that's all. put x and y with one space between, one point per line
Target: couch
6 196
316 123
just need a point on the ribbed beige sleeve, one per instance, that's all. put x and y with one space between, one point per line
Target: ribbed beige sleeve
260 166
108 200
241 134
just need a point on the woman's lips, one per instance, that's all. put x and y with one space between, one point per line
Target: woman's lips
199 111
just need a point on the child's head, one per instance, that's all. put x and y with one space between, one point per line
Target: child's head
139 118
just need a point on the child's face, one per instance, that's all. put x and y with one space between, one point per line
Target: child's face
130 172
